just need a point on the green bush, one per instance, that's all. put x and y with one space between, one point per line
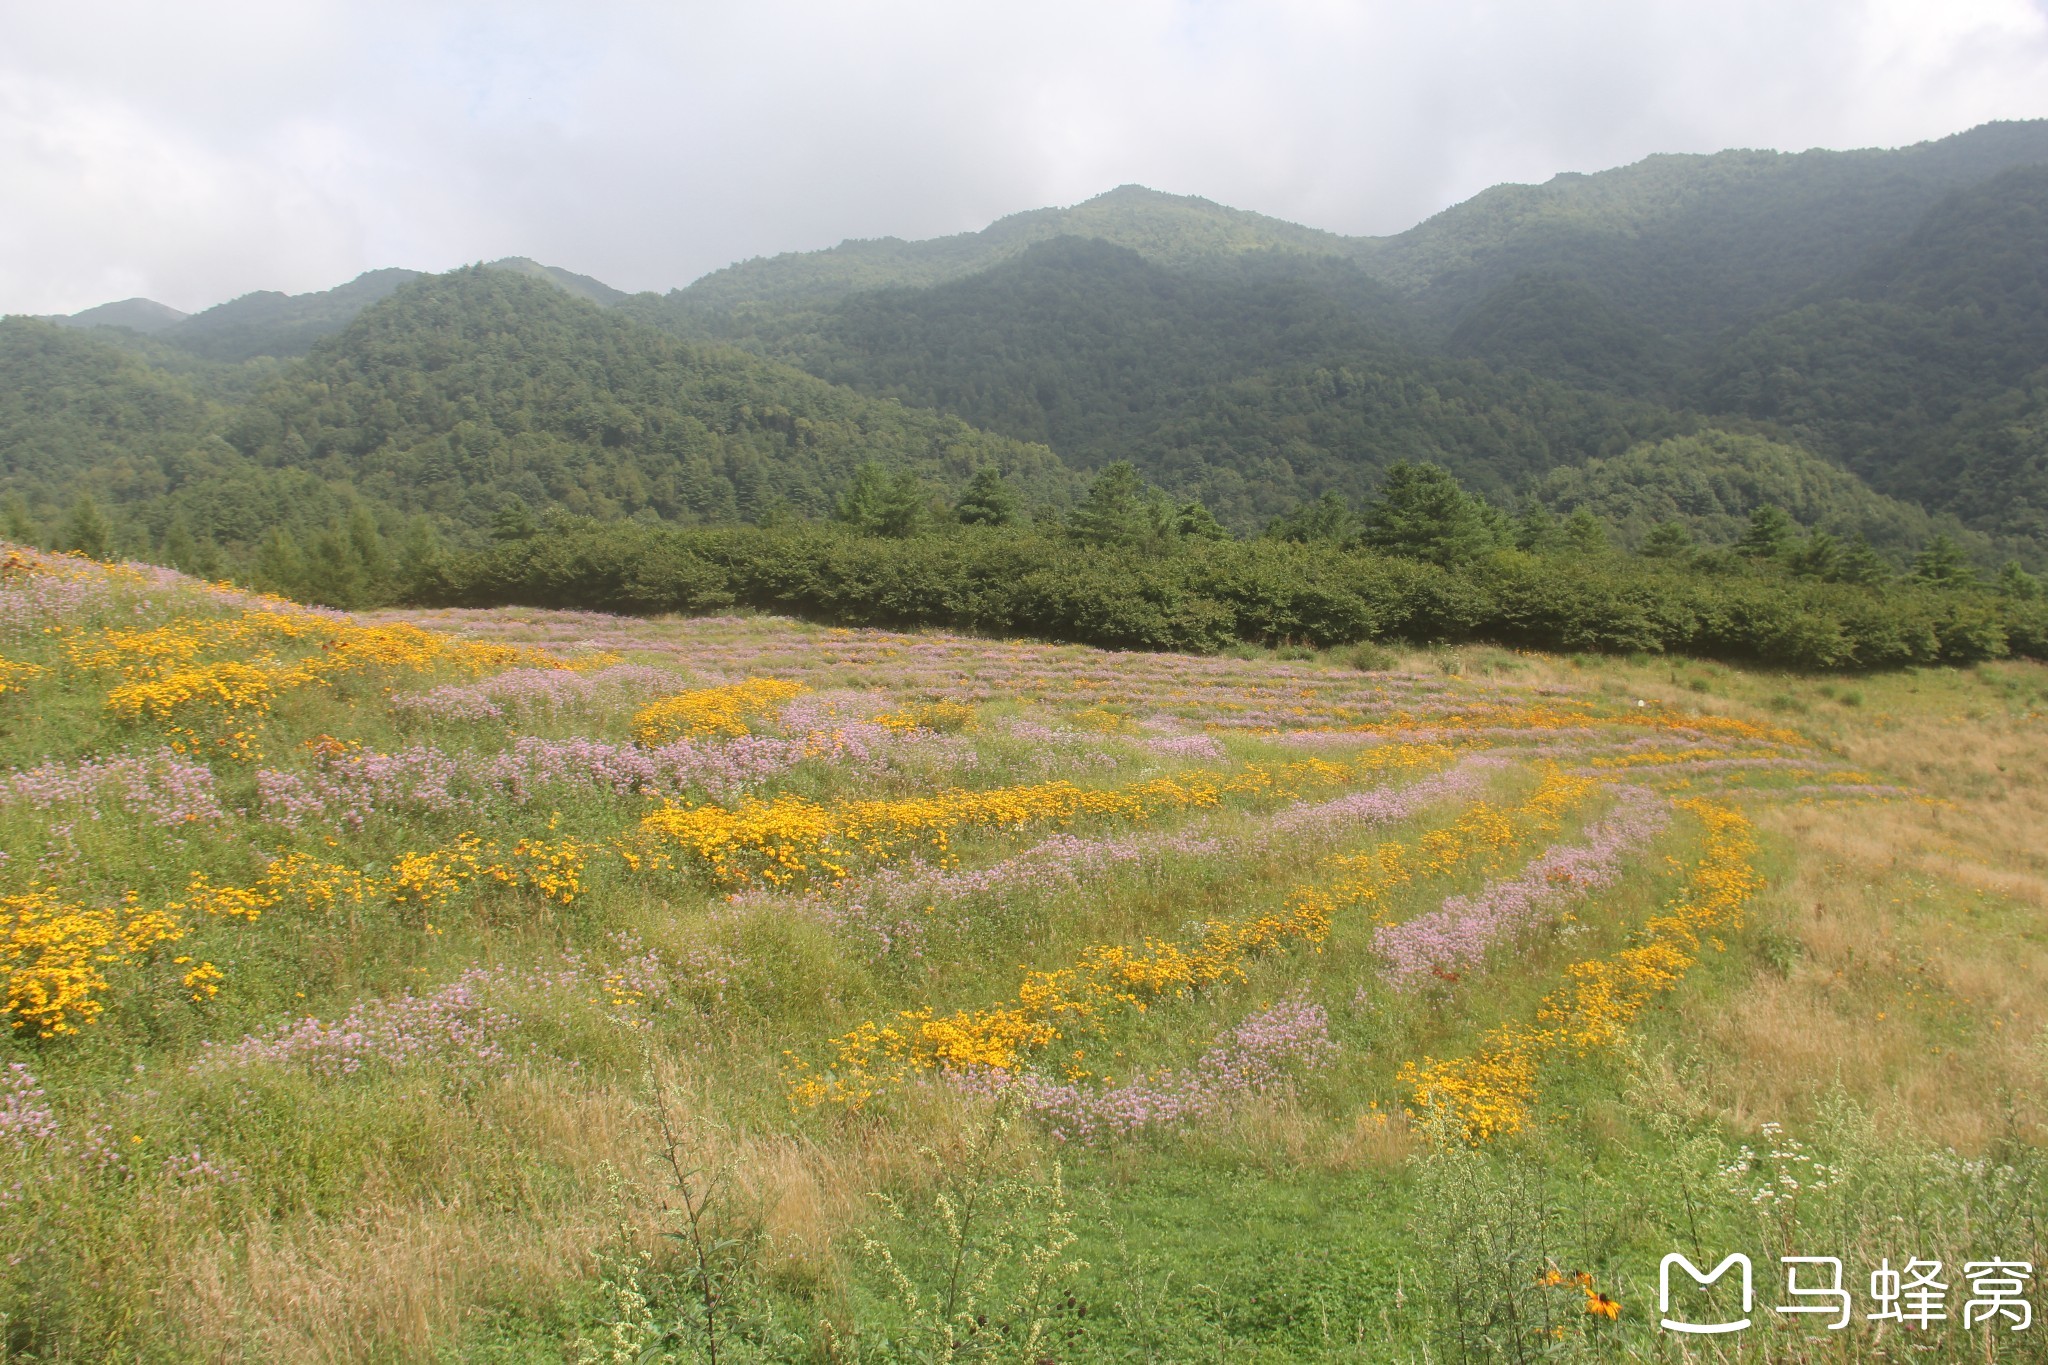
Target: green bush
1204 595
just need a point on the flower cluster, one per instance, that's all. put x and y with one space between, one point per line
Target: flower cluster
1261 1053
1106 977
711 710
14 675
25 1113
163 787
54 956
1455 938
1490 1091
456 1026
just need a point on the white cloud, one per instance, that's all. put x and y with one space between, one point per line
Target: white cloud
197 151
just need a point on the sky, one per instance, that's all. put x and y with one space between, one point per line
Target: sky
194 152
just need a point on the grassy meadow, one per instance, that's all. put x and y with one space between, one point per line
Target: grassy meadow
542 986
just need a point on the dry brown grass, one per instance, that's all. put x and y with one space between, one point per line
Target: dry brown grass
1919 976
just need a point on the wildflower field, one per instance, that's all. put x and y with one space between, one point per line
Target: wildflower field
552 986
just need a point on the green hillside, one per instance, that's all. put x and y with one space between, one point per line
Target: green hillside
1691 245
467 390
1711 481
456 397
270 323
1172 229
1924 371
1083 344
1877 316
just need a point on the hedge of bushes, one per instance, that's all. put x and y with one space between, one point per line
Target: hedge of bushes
1205 595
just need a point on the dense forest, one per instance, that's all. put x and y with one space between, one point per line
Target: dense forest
1851 347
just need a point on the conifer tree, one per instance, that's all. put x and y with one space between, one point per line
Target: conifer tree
1422 513
1120 509
1668 540
86 530
1770 534
1943 564
988 500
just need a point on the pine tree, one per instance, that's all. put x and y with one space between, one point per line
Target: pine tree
1120 509
1860 563
179 549
279 567
1585 533
514 521
16 522
1422 513
1328 520
879 503
1194 521
1820 557
422 560
988 500
2016 583
366 543
1668 540
1942 564
86 531
1537 530
1770 534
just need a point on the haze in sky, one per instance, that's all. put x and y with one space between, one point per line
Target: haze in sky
193 152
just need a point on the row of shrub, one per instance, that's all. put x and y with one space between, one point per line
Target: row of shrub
1207 595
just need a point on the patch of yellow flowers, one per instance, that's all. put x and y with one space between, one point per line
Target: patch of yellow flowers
170 682
1050 1005
54 957
790 839
13 675
709 711
1490 1092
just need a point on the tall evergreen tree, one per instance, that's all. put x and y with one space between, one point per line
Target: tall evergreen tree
1328 520
988 501
86 530
1421 512
1943 564
1585 533
1668 540
1859 562
1120 509
2016 583
1770 534
16 522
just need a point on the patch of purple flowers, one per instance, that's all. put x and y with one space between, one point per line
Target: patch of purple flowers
1261 1054
349 788
162 787
25 1113
455 1026
1456 937
519 691
1383 805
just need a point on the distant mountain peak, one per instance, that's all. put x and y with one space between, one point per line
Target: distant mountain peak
137 315
568 281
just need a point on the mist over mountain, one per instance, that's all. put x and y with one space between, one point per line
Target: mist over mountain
1859 337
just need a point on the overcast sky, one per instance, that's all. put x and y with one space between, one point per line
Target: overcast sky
191 152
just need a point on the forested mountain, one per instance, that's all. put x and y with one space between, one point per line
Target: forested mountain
1859 338
465 391
1171 229
144 316
268 323
1927 370
1083 344
1712 481
1689 246
460 397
